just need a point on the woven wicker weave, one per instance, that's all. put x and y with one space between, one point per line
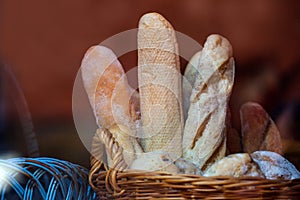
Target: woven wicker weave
131 184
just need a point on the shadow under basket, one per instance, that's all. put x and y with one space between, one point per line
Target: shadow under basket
115 183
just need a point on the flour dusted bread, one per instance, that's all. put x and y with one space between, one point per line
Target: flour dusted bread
155 161
177 134
190 74
259 132
104 79
159 85
235 165
110 97
205 127
274 166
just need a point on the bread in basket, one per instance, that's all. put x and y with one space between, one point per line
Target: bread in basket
169 140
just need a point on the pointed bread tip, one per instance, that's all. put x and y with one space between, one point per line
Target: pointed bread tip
215 40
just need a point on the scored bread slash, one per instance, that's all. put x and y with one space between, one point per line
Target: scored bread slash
205 127
111 97
190 74
159 85
259 132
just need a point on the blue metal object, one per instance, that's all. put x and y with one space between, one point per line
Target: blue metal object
43 178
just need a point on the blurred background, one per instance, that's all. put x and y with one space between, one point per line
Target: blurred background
43 43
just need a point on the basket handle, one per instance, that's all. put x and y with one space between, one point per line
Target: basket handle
113 150
104 137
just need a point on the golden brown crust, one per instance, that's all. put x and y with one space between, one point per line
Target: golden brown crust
205 126
259 132
109 94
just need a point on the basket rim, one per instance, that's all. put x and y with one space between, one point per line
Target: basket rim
118 180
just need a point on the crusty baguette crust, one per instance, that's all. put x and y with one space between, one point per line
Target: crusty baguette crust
259 132
93 65
109 94
205 126
159 85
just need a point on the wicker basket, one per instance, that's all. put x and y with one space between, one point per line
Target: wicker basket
115 183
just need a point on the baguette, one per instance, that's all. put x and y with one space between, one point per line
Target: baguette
190 74
259 132
109 93
205 128
160 86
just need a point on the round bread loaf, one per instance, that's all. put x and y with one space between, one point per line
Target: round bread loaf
236 165
274 166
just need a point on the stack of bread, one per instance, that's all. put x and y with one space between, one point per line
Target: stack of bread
175 123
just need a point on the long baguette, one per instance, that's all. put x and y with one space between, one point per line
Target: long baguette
205 126
159 85
110 97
